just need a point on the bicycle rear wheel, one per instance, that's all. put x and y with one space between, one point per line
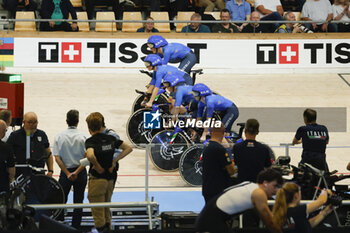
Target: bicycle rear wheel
190 167
137 134
137 103
164 156
42 189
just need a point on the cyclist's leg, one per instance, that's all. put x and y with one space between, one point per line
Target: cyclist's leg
229 118
188 62
66 186
97 189
188 79
78 197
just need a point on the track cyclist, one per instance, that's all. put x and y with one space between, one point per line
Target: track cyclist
211 102
172 52
154 62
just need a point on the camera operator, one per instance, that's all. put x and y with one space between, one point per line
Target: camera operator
289 214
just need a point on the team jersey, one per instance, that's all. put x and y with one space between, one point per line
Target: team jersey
213 103
163 70
174 53
183 95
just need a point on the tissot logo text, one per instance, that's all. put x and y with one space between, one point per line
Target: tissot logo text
48 52
266 54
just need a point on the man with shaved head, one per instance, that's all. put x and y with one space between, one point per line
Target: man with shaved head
40 152
218 168
7 163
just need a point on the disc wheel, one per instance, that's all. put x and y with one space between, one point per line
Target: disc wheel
166 156
190 165
137 103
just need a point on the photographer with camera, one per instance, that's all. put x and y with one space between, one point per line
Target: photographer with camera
289 214
292 27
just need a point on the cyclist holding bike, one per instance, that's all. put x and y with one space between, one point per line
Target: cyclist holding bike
211 102
172 52
154 62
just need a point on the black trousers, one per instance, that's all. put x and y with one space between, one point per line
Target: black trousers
78 193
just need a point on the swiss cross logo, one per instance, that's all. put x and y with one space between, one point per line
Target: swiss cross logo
288 53
71 52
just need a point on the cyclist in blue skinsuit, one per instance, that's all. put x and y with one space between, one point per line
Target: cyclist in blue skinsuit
154 62
213 103
172 52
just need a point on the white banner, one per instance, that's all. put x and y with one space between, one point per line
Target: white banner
236 56
3 103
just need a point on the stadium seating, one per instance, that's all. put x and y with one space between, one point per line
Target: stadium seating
83 26
103 26
161 15
215 14
25 26
131 27
181 16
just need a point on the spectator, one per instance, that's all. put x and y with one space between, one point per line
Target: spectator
341 13
69 149
318 10
255 27
239 198
240 10
314 138
99 151
7 162
6 116
289 27
269 10
292 5
225 27
209 5
40 152
57 9
11 5
116 7
148 27
196 27
218 168
251 156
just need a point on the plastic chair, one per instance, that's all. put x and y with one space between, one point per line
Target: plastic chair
161 15
105 27
181 16
25 26
131 15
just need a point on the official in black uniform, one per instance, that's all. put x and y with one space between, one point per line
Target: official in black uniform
314 138
7 162
217 166
250 156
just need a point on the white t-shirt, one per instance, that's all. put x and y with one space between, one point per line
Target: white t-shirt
337 10
268 5
237 198
316 10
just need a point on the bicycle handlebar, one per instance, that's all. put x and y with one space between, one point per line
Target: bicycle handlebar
36 169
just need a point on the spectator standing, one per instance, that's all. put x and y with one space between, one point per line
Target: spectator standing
218 169
40 152
269 10
7 161
314 138
250 156
69 149
318 10
11 5
57 9
196 27
6 116
341 13
149 26
225 27
255 27
99 151
209 5
240 10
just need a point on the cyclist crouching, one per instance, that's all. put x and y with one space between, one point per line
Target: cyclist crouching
99 151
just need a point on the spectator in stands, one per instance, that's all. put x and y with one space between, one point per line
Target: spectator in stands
292 5
57 9
6 116
209 5
116 7
288 27
148 27
196 27
341 13
240 10
269 10
11 5
255 27
318 10
225 27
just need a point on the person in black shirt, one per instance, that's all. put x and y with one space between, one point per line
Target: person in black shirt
99 151
217 166
289 214
255 27
250 156
314 138
7 162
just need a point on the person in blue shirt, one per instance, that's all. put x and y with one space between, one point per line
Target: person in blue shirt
240 10
196 27
172 52
148 27
207 100
154 62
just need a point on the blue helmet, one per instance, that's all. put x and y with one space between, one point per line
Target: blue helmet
153 60
156 42
201 89
173 79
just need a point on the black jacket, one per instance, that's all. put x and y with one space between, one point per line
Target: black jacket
47 8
